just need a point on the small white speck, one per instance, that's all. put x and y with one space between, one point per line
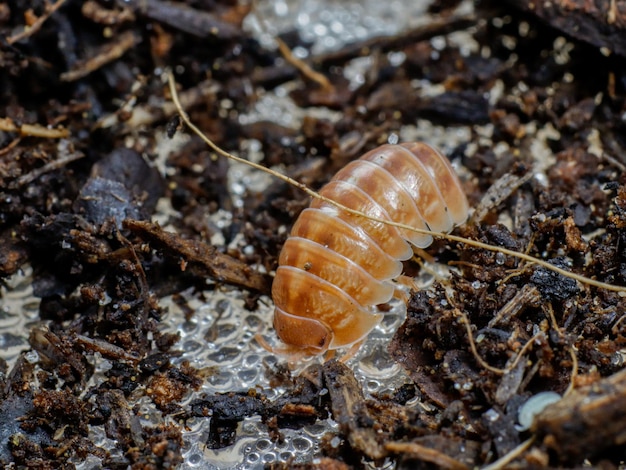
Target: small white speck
32 357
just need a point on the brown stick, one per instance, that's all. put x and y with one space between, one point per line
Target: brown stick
426 454
106 54
50 166
204 258
32 130
36 26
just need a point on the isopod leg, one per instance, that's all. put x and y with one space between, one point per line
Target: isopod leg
330 354
264 344
419 255
351 352
401 294
289 353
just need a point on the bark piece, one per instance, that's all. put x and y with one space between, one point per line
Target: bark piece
598 22
587 421
205 258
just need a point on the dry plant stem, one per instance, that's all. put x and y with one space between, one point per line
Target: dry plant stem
11 146
613 161
620 320
572 380
514 273
32 130
612 13
36 26
506 459
310 192
426 454
526 295
142 280
555 324
479 359
99 14
571 349
523 351
51 166
147 114
106 349
107 54
302 66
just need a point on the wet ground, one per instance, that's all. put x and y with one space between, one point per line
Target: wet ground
127 343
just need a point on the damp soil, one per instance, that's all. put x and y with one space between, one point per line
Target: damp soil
83 114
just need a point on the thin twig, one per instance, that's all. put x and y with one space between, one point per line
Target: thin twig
106 54
106 349
36 26
506 459
426 454
574 376
11 146
302 66
484 364
48 167
33 130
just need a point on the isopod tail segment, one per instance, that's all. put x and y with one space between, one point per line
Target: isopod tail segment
335 267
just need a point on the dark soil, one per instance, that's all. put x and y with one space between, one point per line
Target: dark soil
83 106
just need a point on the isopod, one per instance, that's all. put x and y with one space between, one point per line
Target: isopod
335 267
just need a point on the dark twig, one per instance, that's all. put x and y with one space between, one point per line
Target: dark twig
106 54
48 167
36 26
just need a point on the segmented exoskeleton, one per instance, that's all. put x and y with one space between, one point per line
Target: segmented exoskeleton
335 266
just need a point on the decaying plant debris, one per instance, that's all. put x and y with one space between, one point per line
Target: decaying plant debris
82 118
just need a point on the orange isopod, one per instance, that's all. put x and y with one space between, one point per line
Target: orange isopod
336 266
